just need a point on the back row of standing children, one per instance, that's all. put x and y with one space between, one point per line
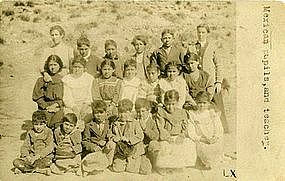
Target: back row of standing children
98 98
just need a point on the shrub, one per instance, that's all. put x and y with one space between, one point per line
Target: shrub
19 3
75 15
8 12
37 11
2 41
36 19
149 11
24 17
30 4
53 18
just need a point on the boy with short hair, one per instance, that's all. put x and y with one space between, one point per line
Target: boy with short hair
100 151
111 50
84 51
128 137
68 147
167 52
36 152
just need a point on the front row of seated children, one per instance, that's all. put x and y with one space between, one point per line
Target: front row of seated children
169 139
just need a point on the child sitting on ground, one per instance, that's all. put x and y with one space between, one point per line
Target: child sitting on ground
68 147
207 131
36 152
128 137
84 51
107 87
77 95
150 130
99 150
173 151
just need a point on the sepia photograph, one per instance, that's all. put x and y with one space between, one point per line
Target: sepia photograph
118 90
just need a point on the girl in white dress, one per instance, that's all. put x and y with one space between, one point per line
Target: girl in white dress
77 96
206 130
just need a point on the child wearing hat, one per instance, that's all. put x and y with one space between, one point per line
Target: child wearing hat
128 136
36 152
207 131
84 51
68 147
96 144
77 95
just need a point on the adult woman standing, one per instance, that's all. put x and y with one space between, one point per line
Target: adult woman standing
57 47
207 50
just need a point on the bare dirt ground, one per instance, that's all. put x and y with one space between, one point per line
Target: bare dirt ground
24 32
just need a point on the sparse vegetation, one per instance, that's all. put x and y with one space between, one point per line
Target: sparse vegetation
2 41
103 10
19 3
86 26
149 11
170 17
24 17
8 12
37 11
36 19
53 18
119 17
75 15
30 4
34 33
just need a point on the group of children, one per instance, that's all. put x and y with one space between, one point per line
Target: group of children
143 113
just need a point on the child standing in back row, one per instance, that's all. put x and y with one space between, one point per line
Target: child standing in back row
84 51
59 48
